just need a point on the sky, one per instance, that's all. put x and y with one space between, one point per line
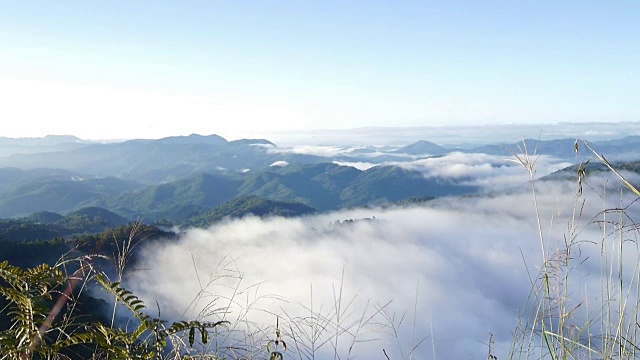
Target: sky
149 69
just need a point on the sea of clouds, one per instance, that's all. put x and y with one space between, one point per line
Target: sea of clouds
431 281
458 135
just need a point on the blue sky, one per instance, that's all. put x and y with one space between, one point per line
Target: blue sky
119 69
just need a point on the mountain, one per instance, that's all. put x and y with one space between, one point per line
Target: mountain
12 177
591 168
386 184
562 148
15 230
44 217
97 214
177 157
245 205
49 143
162 160
252 142
28 244
324 186
316 185
49 140
58 193
181 177
213 140
623 148
423 147
46 225
178 199
90 220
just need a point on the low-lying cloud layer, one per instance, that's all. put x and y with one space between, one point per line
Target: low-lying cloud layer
455 135
482 170
468 169
488 171
451 273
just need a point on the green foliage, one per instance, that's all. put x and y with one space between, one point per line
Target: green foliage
30 254
108 241
177 200
387 184
44 217
34 332
150 339
46 226
158 161
323 186
278 342
29 294
250 205
14 230
59 194
414 200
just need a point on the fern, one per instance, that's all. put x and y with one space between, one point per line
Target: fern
29 293
151 335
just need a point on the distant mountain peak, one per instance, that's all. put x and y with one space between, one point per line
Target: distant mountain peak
422 147
252 142
63 137
194 139
48 140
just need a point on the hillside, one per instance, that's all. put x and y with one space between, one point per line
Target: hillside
176 200
623 148
46 225
245 205
324 186
49 143
317 185
162 160
423 147
591 168
386 184
58 193
180 177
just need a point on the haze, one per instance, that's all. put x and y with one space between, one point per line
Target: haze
381 143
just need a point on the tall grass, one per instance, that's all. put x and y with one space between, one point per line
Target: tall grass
565 317
338 330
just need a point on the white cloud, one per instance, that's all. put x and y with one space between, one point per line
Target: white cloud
488 171
360 165
338 151
466 258
326 151
280 163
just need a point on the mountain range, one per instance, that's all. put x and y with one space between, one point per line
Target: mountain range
183 178
323 186
172 158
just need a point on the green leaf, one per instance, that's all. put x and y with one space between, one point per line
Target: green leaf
204 335
192 335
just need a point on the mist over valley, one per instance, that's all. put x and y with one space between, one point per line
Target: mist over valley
316 180
417 249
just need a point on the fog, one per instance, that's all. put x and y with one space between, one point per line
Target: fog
439 278
490 172
487 172
452 135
